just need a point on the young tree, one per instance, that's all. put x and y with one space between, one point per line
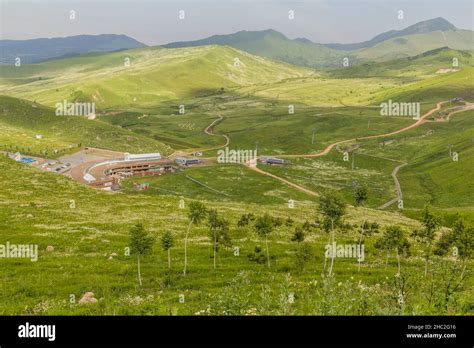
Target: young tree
427 234
218 232
333 208
360 194
167 243
264 225
303 255
141 243
245 219
465 245
197 212
460 240
299 235
394 238
366 229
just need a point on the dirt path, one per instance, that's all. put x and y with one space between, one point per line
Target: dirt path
419 122
397 186
328 149
289 183
209 131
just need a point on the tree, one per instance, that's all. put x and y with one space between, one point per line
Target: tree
303 255
460 239
366 229
167 243
245 219
141 243
218 232
333 208
299 235
197 212
394 238
431 224
360 194
264 225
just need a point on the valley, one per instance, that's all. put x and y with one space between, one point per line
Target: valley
329 164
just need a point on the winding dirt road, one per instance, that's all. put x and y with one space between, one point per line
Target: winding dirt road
397 186
420 121
209 130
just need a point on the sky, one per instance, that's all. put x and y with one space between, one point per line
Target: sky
156 22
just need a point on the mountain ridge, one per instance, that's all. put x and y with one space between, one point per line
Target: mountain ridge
272 44
41 49
434 24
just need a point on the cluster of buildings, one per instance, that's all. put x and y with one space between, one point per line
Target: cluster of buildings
183 161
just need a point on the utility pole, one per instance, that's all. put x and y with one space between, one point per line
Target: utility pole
312 138
353 157
450 146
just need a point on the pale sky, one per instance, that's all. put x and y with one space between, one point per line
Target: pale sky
155 22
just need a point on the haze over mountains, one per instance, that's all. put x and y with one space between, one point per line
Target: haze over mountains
36 50
413 40
436 24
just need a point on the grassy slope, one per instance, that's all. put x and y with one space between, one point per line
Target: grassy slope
420 66
274 45
411 45
84 237
21 122
294 52
401 80
154 75
431 176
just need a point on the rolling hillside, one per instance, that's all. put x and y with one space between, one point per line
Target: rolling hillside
153 76
411 45
411 41
21 120
431 63
430 25
274 45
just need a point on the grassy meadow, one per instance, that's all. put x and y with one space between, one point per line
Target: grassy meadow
86 236
138 112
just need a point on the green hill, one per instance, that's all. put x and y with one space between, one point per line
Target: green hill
431 63
21 120
274 45
411 41
153 76
35 50
432 90
430 25
415 44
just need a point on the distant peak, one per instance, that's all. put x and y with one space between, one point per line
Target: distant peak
433 24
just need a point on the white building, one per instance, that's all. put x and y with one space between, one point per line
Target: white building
142 157
89 178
